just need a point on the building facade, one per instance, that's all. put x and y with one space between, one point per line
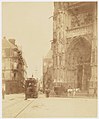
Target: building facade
13 67
75 45
47 70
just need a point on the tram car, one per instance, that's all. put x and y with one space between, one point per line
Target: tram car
31 88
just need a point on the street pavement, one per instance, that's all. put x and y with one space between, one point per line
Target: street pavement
14 106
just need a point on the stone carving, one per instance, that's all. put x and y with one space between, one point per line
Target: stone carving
81 19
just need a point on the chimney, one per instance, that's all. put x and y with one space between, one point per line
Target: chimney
12 41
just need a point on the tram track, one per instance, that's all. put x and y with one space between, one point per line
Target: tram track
18 105
14 102
22 109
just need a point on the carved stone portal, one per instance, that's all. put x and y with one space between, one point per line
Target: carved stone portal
79 58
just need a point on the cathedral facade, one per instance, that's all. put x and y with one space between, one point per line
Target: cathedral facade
75 45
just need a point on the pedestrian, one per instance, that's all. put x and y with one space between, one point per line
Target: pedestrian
47 91
74 92
69 90
3 93
95 92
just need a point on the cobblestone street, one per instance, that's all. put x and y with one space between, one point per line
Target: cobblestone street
14 106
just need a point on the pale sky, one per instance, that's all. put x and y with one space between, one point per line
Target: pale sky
30 25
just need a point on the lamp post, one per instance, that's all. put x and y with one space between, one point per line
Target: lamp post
36 73
32 76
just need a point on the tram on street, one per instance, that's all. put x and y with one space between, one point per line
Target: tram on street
31 88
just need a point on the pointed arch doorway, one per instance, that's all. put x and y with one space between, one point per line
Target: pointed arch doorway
78 63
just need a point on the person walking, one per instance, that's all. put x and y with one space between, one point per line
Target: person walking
47 91
3 93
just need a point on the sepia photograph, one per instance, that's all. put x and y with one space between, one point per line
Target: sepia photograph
49 59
